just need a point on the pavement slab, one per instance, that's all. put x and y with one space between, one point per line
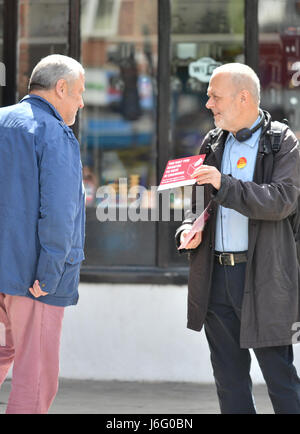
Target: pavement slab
128 397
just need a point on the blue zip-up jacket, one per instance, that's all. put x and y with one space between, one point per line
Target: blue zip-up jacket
42 203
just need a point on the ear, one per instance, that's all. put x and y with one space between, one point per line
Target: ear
61 88
244 96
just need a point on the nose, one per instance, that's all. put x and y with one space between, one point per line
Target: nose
81 105
209 103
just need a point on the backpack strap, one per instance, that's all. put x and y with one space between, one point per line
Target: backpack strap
273 137
270 141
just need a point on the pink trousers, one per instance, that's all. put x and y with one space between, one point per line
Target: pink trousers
29 338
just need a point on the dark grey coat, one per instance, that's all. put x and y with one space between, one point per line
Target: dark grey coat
271 303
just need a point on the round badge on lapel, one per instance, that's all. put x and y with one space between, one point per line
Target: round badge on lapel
241 162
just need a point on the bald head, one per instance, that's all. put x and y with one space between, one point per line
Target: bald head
242 78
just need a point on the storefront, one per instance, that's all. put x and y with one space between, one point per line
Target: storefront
148 64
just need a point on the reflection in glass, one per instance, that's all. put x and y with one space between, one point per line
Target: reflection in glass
205 34
43 28
119 51
279 59
118 126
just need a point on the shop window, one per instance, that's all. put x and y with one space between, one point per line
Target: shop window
100 17
43 30
118 128
279 59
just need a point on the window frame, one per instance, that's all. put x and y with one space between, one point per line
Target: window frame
10 41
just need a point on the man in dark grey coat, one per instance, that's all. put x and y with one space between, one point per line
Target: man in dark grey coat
244 273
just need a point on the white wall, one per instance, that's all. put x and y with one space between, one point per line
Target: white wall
135 332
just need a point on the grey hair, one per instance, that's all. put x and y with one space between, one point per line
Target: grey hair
243 77
52 68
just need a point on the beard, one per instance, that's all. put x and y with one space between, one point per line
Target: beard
221 122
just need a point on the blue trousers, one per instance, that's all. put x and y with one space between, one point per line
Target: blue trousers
231 364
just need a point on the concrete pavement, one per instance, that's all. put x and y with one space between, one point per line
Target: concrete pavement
120 397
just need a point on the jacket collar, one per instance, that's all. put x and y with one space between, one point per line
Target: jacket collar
218 139
42 103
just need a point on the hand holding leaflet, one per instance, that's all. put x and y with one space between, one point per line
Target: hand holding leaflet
198 226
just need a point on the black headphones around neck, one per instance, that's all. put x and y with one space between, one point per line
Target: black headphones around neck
246 133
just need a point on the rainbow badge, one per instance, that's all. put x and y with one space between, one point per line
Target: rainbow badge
241 163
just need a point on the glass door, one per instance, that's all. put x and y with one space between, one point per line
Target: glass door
118 130
205 34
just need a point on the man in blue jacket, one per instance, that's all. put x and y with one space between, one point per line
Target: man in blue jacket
42 222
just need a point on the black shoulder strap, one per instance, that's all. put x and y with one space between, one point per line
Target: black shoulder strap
271 141
274 137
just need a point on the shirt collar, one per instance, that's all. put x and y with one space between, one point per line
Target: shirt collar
42 102
250 142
